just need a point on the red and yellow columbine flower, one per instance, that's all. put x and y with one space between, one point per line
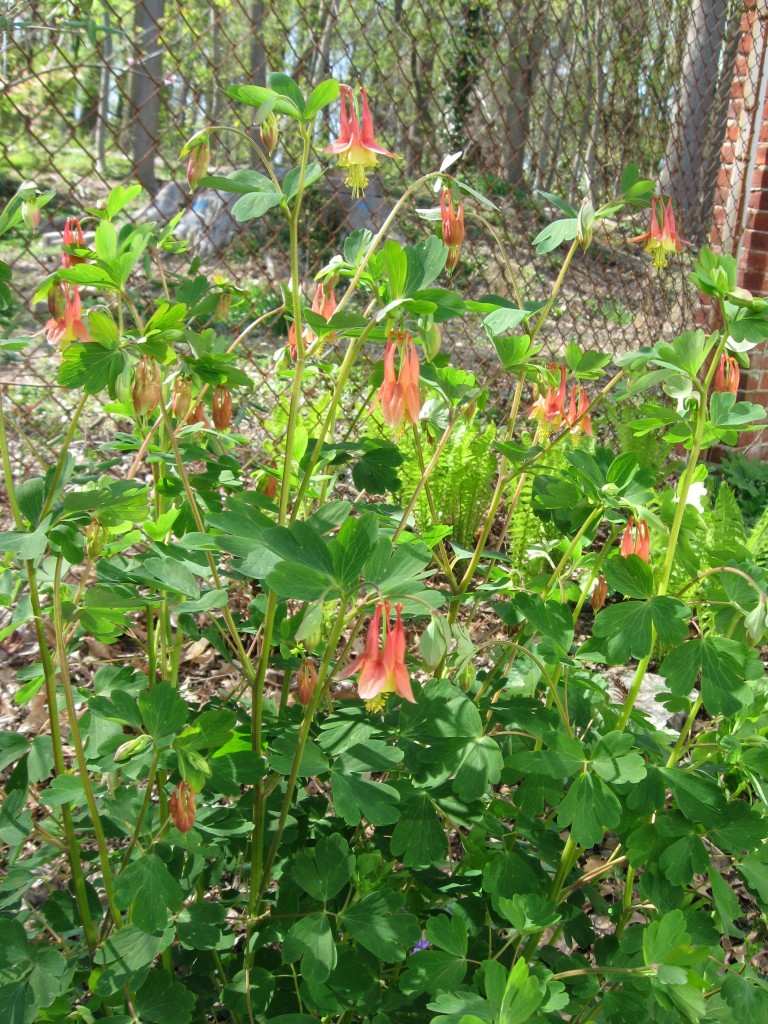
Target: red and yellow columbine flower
661 238
323 303
727 375
69 326
382 671
453 228
399 396
578 418
73 235
550 407
356 149
636 539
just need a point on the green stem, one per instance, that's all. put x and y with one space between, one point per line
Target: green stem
77 743
18 519
298 371
424 477
62 458
593 574
682 739
626 903
142 812
441 552
568 858
330 417
49 673
324 679
555 288
677 521
597 514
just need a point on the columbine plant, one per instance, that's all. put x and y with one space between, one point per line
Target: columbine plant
457 818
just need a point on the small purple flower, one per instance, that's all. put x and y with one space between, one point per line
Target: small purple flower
421 945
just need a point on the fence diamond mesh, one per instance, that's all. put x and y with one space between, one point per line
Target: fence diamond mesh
555 98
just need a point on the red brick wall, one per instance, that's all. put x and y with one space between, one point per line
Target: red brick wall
744 204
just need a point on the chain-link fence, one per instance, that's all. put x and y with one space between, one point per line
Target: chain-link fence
555 98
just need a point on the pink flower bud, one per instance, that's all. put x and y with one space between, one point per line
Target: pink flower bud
636 539
599 594
307 680
181 397
223 304
182 806
57 300
269 134
147 386
453 228
96 537
30 214
197 168
727 375
222 407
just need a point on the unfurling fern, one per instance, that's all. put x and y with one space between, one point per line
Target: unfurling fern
460 484
726 525
525 528
757 542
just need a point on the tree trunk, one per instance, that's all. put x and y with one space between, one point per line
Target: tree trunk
258 56
146 81
420 127
214 102
683 175
525 45
595 104
552 92
463 74
104 86
258 62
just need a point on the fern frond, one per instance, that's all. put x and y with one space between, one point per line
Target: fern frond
460 483
525 528
757 542
726 525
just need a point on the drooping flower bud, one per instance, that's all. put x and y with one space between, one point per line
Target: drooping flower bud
222 407
135 745
30 214
197 167
223 304
57 300
73 235
96 537
453 228
599 594
399 396
578 418
197 416
270 133
269 482
636 539
307 681
431 341
585 224
147 386
182 806
181 398
727 375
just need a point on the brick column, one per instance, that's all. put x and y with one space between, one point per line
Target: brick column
740 219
